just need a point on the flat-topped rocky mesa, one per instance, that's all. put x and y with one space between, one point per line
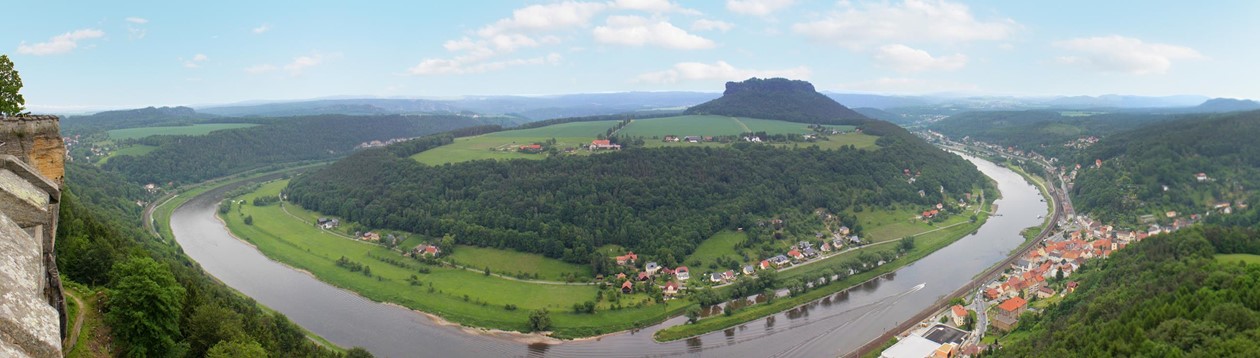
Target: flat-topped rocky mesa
32 166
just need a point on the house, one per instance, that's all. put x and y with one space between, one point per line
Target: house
671 289
532 148
796 254
1008 313
328 224
682 273
643 276
1201 177
371 236
748 269
426 250
621 276
666 271
764 265
1045 292
604 144
728 275
1071 286
780 260
628 258
671 138
809 252
627 287
929 214
843 230
826 247
991 293
692 139
715 277
651 268
958 314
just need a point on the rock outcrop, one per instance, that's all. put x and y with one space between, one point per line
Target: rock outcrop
32 310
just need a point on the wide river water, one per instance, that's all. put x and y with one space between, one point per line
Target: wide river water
832 326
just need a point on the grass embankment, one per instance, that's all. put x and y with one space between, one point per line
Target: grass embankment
459 295
513 263
1235 258
196 129
1032 232
924 245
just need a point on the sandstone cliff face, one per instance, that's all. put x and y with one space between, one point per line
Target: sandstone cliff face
37 141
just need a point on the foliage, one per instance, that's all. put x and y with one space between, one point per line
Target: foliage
1137 165
185 159
778 98
11 101
645 199
539 320
235 349
145 304
1190 303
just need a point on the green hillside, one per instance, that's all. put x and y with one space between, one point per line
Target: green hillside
1044 132
196 129
1138 165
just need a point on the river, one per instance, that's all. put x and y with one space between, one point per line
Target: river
832 326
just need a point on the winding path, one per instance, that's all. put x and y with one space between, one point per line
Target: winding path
73 337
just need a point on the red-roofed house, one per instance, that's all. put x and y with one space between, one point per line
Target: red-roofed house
682 273
626 287
1008 313
603 144
796 254
958 314
765 264
671 289
991 293
627 258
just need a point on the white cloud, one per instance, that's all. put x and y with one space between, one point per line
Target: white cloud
459 66
59 44
718 71
904 58
1124 54
757 7
933 21
710 25
640 31
301 63
196 61
653 6
907 85
545 17
137 20
261 29
261 69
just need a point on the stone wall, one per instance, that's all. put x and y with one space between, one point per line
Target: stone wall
32 308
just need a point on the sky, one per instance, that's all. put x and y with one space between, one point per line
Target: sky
90 55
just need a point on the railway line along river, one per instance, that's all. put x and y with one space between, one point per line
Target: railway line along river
832 326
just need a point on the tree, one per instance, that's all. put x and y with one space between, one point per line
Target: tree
11 102
249 220
358 352
209 325
539 320
693 314
233 349
145 303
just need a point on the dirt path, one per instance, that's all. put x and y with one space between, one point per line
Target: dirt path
73 337
741 124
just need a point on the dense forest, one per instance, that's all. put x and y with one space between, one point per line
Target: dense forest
132 118
187 159
160 304
1138 165
1164 297
657 201
1044 132
778 98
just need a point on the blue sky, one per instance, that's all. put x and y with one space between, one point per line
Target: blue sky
86 55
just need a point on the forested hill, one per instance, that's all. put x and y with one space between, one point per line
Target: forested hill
781 99
188 159
661 201
1167 296
1041 131
131 118
1136 166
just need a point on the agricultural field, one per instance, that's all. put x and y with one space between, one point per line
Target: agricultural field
134 150
707 125
461 295
719 245
504 145
196 129
512 263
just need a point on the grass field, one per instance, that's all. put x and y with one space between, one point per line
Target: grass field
721 244
503 145
196 129
134 150
510 262
1234 258
459 295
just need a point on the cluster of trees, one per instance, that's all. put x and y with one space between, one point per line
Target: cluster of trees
654 201
188 159
1041 131
1137 165
778 98
1191 304
159 303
